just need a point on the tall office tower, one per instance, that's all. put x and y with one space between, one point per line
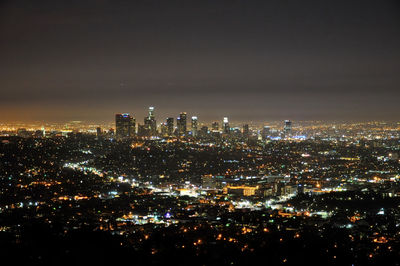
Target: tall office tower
133 127
125 126
164 129
146 127
99 133
288 128
142 130
170 126
246 131
215 126
203 132
181 124
150 122
44 131
225 126
111 133
194 126
151 112
266 132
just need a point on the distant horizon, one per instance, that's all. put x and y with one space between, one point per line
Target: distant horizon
267 60
231 120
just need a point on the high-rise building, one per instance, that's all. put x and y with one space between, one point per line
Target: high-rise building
132 130
111 133
215 126
22 132
181 124
170 126
142 130
287 128
203 132
246 131
150 122
194 126
99 133
225 126
208 182
125 126
151 112
266 132
164 129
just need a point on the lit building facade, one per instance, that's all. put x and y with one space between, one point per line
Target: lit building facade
194 126
125 126
287 130
182 124
225 126
170 126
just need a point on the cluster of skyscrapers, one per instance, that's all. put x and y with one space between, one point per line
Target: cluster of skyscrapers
125 125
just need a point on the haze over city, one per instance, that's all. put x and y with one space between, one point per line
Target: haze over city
223 132
258 60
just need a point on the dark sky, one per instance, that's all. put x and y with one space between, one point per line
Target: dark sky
249 60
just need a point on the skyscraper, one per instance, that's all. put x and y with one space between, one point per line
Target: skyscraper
225 126
266 132
125 126
203 132
99 133
215 126
181 124
151 112
164 129
246 132
170 126
194 126
287 128
150 122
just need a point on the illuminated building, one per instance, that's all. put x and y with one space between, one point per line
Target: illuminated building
207 181
98 132
225 126
215 126
240 190
22 132
236 132
125 126
266 132
287 128
246 131
142 130
164 129
111 133
38 134
170 126
203 132
150 122
194 126
181 124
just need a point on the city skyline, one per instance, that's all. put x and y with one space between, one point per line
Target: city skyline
227 132
162 116
249 61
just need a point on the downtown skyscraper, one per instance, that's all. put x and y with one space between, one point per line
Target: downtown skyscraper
150 123
170 126
194 126
182 124
125 126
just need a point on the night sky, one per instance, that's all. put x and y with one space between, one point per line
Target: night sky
249 60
